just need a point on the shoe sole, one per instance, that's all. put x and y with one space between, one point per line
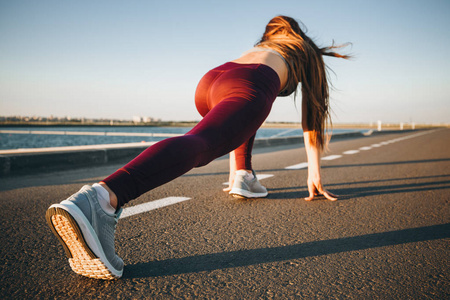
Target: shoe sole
244 194
82 259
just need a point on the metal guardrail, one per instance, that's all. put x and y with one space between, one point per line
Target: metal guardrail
97 133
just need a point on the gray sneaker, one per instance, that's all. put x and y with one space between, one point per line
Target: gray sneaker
243 188
86 232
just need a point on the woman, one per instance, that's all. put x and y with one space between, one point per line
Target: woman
234 99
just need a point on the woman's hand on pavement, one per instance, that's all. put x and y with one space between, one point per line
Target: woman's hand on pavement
315 188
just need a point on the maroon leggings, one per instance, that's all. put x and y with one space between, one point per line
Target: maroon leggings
234 100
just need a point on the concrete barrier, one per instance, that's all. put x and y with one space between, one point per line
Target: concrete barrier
20 161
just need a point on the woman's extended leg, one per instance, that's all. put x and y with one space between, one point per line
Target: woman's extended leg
86 229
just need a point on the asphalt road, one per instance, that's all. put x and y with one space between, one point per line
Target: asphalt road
386 238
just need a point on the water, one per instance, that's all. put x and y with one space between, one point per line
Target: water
18 141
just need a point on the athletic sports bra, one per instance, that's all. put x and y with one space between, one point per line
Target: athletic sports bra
284 91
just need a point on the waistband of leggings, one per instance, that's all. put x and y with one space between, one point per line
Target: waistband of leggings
262 68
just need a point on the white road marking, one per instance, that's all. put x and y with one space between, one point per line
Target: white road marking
351 152
302 165
144 207
259 176
331 157
263 176
365 148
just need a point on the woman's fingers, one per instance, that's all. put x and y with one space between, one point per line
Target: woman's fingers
330 196
314 191
311 196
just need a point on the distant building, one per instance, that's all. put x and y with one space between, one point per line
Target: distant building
137 119
147 119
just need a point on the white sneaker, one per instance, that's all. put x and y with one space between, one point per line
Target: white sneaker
245 188
86 232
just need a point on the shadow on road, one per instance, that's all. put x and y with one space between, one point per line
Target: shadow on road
348 190
374 188
388 163
243 258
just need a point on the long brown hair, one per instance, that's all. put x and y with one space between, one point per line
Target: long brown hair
305 64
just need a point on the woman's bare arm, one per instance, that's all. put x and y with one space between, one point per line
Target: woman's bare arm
313 154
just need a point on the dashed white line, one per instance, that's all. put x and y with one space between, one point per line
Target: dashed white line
331 157
259 176
365 148
263 176
302 165
349 152
144 207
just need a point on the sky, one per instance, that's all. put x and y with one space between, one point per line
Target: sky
119 59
